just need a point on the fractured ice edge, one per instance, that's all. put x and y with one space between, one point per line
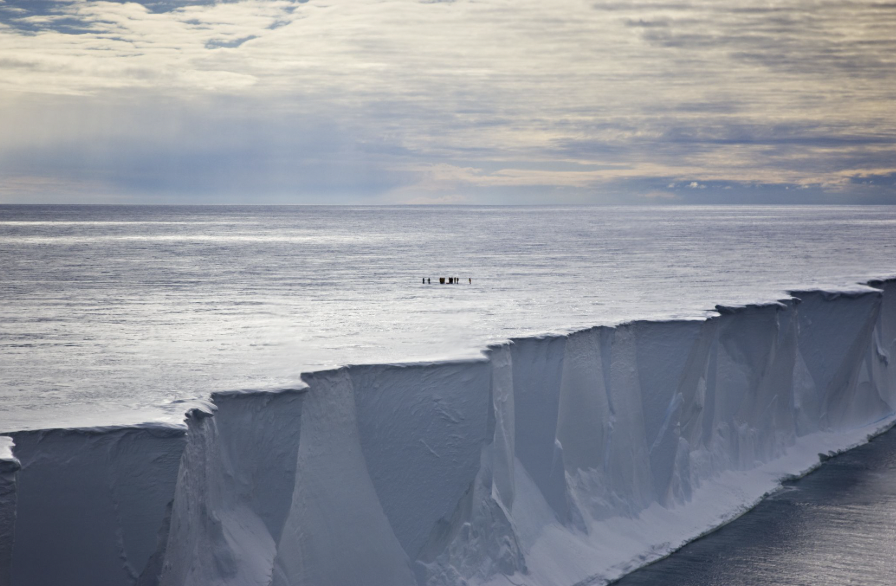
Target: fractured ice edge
554 460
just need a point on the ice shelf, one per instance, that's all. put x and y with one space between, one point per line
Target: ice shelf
554 460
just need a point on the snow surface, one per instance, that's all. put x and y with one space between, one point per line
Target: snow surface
551 460
120 315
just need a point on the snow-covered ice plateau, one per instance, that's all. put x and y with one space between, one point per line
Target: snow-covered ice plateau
567 457
119 315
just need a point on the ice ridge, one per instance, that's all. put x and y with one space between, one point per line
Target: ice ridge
553 460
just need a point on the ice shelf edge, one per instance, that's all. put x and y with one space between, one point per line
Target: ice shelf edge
556 460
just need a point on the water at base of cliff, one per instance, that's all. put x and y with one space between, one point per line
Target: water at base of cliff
833 527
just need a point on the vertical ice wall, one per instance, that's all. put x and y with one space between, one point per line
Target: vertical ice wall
234 489
335 514
9 465
312 486
552 460
90 503
880 375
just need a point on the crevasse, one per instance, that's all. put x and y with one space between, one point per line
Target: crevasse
551 461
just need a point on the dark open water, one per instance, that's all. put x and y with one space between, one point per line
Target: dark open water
836 526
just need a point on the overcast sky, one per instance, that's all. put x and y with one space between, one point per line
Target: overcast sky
471 101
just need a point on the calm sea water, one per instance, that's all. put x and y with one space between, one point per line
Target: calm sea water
122 314
834 527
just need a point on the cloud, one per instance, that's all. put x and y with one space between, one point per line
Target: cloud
447 199
660 195
557 100
212 150
228 44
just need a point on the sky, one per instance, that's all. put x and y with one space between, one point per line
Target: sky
448 102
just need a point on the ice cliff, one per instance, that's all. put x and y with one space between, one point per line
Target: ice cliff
551 461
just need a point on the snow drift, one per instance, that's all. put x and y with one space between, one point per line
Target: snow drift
554 460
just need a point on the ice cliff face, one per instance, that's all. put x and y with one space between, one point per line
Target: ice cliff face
9 466
89 503
554 460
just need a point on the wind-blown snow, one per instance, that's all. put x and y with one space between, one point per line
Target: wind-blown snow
553 460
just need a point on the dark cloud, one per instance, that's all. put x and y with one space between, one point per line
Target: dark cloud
642 6
52 7
56 15
228 44
886 180
668 190
736 133
798 37
641 23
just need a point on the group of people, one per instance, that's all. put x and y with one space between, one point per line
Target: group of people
450 280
